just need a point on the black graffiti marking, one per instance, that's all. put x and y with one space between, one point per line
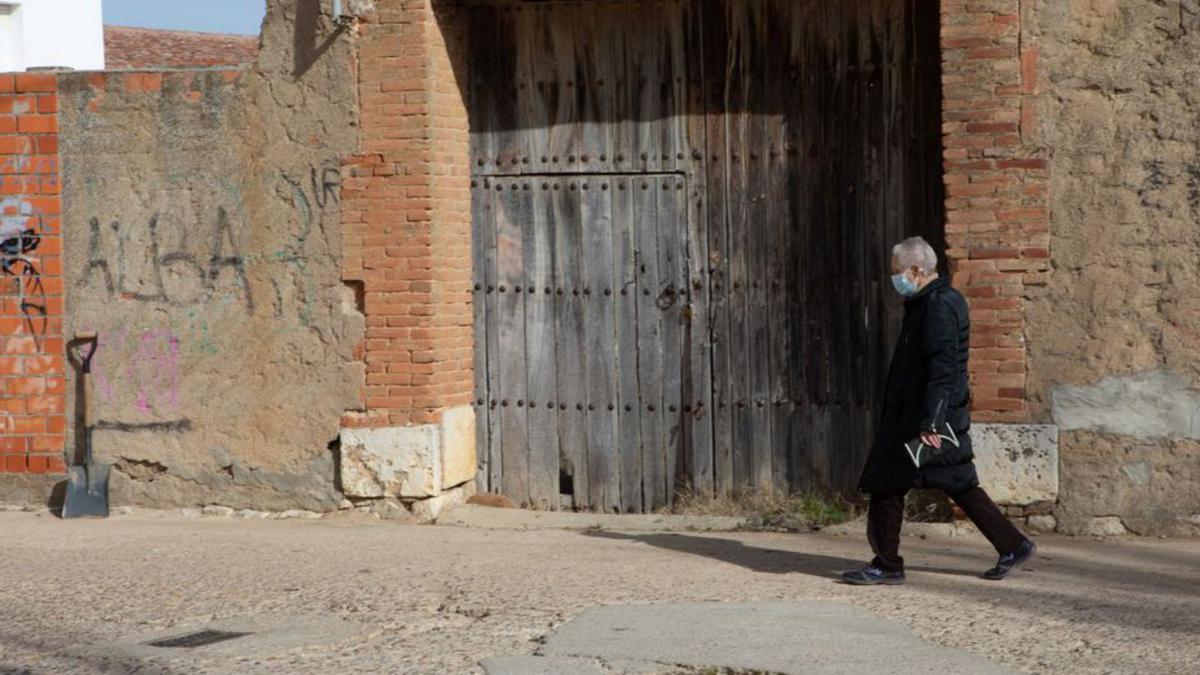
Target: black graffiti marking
174 426
225 254
219 261
1193 172
95 260
25 242
327 187
30 292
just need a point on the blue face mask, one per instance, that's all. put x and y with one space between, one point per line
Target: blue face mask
905 286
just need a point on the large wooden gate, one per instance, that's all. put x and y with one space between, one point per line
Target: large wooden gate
683 212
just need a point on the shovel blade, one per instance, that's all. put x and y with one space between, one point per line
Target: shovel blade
87 492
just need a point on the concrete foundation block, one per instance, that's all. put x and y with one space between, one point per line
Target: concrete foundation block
1042 524
428 510
458 446
392 462
391 509
1107 526
1017 463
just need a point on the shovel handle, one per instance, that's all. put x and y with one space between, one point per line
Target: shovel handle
92 340
83 347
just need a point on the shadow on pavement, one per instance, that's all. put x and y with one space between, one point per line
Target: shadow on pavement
1112 593
771 561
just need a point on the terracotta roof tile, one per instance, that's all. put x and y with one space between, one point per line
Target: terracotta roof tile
142 48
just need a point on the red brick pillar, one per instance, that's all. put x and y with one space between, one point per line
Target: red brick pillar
407 228
32 364
997 220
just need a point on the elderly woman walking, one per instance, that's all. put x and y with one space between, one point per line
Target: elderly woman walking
923 439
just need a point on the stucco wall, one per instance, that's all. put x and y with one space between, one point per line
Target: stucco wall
1114 339
203 244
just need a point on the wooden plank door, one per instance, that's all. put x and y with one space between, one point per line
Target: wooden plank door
709 189
581 337
821 124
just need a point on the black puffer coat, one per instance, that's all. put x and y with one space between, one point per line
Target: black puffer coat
926 385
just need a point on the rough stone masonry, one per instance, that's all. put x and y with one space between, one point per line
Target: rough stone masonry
277 260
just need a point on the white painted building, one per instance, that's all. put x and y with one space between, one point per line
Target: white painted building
51 34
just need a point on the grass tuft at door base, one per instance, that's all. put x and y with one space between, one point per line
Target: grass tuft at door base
770 510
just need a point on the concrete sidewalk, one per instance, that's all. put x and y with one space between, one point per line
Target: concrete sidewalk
329 596
789 638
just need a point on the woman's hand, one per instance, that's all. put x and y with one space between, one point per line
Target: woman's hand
931 439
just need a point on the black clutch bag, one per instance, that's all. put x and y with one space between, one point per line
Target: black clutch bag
922 454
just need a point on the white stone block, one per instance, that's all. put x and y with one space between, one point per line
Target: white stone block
1017 463
391 509
458 446
428 510
392 462
1043 523
1107 526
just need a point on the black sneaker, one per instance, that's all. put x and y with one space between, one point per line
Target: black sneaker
872 576
1011 561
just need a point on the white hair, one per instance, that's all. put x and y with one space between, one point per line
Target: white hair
916 251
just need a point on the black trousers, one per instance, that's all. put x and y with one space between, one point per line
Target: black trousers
886 515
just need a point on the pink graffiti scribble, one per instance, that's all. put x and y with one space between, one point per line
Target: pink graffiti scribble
150 369
158 351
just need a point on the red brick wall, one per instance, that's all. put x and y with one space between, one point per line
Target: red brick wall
997 220
406 219
32 364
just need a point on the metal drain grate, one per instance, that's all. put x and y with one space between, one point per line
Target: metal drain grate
198 639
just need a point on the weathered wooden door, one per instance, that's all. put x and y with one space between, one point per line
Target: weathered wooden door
580 325
718 315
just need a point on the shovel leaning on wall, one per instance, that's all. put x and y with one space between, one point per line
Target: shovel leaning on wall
87 484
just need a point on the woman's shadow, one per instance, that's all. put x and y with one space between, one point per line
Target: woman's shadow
770 561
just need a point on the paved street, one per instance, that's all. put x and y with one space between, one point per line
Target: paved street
335 596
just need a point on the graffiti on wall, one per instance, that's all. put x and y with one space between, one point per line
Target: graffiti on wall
150 368
175 277
325 184
161 262
201 272
18 267
137 374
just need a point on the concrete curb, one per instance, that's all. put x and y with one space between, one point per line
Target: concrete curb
488 518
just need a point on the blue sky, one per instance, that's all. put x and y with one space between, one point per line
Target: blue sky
214 16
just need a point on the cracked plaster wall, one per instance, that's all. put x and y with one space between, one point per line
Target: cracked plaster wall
203 244
1114 339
